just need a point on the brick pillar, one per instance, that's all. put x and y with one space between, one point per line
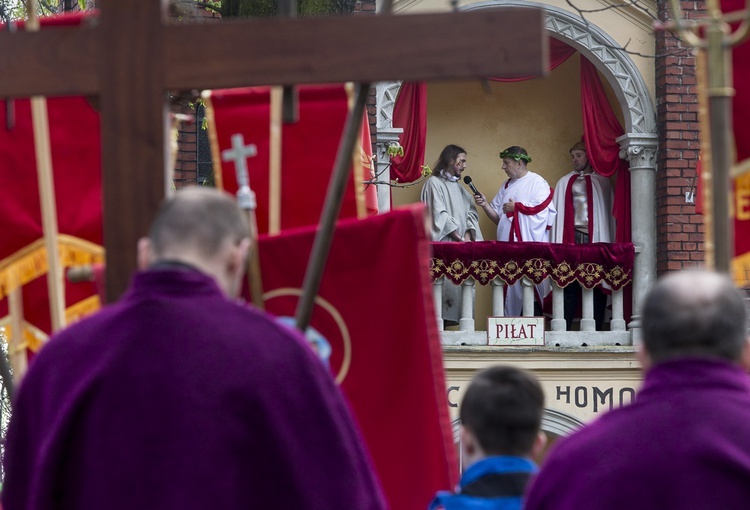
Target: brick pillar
679 230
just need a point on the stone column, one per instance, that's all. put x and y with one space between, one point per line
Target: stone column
385 98
640 151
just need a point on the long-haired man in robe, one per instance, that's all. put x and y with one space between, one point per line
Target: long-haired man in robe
453 216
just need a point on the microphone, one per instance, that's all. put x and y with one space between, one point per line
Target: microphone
470 184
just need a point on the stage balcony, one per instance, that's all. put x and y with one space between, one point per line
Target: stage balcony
483 269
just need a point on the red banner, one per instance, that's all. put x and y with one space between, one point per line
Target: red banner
75 148
385 345
740 114
308 148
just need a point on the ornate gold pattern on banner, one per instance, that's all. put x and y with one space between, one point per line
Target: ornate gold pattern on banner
30 262
589 274
563 273
510 271
536 269
617 277
483 271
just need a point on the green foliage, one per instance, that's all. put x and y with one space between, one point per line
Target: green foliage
268 8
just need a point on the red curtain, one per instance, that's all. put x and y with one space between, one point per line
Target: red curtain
410 113
601 130
559 52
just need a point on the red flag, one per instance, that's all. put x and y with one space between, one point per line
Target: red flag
309 149
75 147
741 185
385 345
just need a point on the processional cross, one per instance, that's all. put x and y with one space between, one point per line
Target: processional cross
132 57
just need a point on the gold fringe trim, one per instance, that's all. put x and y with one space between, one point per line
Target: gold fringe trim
30 262
81 309
33 338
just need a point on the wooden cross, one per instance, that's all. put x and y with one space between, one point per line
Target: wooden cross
131 58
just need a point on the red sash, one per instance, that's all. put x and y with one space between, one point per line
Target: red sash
519 208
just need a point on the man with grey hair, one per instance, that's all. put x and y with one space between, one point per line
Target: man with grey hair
685 441
178 397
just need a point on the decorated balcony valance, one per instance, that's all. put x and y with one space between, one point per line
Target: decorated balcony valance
590 264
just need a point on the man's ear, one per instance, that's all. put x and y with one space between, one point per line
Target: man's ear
643 357
239 259
468 442
145 253
540 443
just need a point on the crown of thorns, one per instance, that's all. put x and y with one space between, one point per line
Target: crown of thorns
515 155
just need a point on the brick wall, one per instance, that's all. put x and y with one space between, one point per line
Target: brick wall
193 162
679 230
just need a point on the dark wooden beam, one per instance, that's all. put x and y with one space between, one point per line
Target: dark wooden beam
134 116
419 47
57 61
62 61
130 59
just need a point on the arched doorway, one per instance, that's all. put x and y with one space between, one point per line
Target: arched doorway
637 145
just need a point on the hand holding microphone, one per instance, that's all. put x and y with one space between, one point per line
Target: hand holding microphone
470 184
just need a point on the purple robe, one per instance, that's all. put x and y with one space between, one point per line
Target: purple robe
177 398
684 443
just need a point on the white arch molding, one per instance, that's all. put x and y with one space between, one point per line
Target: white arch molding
554 422
637 145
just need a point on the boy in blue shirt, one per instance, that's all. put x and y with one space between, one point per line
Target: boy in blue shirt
501 417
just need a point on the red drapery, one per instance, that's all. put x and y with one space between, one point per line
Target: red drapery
559 52
588 264
410 113
601 130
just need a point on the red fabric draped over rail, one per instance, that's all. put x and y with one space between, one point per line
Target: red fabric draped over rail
588 264
601 130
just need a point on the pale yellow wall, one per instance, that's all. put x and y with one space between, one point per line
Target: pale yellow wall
541 115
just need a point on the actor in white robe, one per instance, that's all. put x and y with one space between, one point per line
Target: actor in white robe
523 211
453 216
592 223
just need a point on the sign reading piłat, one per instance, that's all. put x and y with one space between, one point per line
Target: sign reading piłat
515 331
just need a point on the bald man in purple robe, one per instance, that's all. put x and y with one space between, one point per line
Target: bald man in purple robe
178 397
684 443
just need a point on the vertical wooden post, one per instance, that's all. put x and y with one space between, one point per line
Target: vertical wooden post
135 124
